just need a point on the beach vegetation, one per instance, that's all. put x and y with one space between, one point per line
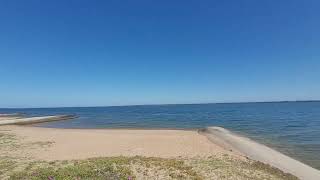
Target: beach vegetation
139 167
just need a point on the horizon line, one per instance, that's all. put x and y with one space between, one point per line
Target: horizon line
165 104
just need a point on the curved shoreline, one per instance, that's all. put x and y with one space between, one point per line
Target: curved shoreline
260 152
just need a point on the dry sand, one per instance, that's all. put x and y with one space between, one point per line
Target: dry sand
84 143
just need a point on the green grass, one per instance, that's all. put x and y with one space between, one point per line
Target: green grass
101 168
6 164
274 171
7 139
106 168
166 168
229 168
149 168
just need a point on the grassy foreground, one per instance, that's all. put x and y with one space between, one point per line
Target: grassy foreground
13 166
142 168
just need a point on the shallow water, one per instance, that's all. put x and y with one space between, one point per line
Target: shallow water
293 128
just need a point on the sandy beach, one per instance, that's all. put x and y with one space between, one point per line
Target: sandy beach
86 143
49 144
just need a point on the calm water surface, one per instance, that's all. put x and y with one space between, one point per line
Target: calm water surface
290 127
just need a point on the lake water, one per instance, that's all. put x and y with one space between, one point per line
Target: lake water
293 128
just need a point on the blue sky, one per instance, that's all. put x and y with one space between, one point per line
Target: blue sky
94 53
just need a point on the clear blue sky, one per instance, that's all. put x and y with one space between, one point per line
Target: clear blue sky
93 53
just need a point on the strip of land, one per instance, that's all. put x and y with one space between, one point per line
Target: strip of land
10 119
10 115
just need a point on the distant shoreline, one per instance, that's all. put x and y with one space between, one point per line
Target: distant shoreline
173 104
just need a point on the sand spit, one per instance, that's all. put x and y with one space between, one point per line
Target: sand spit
21 121
10 115
260 152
